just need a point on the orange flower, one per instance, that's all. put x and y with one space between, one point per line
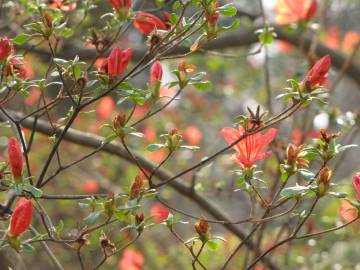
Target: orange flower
193 135
250 149
333 38
351 39
131 260
90 186
297 136
159 212
347 212
149 134
34 96
291 11
106 107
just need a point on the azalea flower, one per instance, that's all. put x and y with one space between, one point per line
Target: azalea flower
347 211
146 23
250 149
159 212
356 183
106 107
193 135
131 260
291 11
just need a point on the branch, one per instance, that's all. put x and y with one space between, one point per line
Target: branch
94 141
232 39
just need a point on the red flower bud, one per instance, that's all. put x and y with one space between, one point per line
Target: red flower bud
117 61
356 183
317 75
121 4
21 217
16 158
212 19
146 23
156 72
311 11
5 48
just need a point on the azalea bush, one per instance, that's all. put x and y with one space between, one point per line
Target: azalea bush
180 134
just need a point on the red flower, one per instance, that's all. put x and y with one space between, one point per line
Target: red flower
90 186
121 4
290 11
146 23
16 158
250 149
117 61
333 38
159 212
21 217
356 183
193 135
317 75
5 48
297 136
131 260
106 107
156 72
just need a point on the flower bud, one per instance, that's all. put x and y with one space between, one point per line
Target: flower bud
293 157
117 62
138 186
324 180
105 243
156 72
119 120
5 48
139 218
21 218
317 75
16 158
174 139
48 19
356 183
202 228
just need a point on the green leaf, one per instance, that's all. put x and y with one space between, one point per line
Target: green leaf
111 137
22 38
339 195
228 10
295 191
90 219
67 32
202 85
154 147
176 5
26 247
37 193
59 228
212 245
306 174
